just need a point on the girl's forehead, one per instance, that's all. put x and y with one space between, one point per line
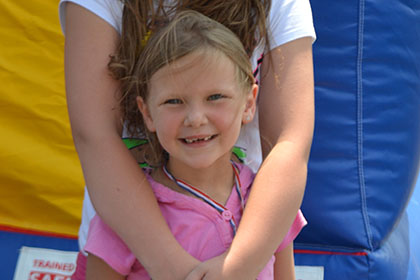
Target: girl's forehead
199 60
194 73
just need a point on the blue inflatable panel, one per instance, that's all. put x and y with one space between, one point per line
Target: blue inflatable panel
390 261
413 211
11 242
366 149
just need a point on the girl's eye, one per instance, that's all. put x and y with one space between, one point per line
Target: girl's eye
215 96
173 101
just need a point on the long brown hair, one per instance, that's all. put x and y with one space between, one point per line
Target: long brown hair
245 18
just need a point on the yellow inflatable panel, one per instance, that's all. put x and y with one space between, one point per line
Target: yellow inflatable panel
41 183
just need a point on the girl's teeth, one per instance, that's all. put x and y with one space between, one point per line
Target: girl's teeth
189 141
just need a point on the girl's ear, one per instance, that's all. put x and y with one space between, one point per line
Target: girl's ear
147 118
251 105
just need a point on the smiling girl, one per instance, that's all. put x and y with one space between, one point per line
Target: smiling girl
190 92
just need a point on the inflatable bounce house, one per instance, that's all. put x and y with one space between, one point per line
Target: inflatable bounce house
361 203
366 149
41 184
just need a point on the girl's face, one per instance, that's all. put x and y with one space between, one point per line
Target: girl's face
196 107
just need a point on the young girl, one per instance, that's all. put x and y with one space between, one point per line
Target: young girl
194 87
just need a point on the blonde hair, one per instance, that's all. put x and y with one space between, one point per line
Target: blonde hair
188 32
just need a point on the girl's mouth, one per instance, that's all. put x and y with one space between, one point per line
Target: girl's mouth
197 139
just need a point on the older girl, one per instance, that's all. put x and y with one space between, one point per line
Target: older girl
117 187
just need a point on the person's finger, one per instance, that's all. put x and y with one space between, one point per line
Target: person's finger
197 273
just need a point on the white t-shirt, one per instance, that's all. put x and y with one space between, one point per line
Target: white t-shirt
288 20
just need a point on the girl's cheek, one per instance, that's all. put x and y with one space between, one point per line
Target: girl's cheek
228 120
173 120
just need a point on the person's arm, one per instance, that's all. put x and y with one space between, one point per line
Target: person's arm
117 186
96 268
284 266
286 114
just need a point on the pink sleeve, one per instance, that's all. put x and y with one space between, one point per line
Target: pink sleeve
104 243
294 230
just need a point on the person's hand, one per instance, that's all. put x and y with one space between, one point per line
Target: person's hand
211 269
177 268
219 268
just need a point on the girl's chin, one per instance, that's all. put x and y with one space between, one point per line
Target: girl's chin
204 162
198 164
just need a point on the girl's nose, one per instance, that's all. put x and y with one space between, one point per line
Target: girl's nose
195 117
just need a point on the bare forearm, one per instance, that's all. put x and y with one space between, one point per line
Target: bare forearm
284 266
117 186
271 208
276 196
286 120
96 268
123 198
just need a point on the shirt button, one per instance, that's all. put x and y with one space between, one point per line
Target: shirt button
227 215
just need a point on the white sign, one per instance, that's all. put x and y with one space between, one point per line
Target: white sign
309 272
45 264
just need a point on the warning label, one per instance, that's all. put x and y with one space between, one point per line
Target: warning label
47 276
45 264
309 272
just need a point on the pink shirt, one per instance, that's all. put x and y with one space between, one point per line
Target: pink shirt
199 228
